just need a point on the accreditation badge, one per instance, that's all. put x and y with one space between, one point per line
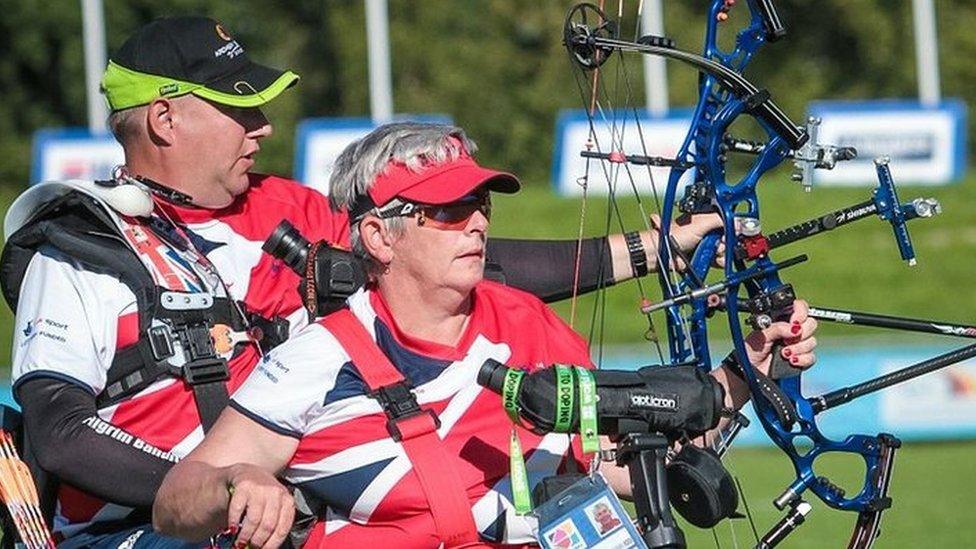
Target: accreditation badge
587 514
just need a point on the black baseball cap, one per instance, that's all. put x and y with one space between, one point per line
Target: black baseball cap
175 56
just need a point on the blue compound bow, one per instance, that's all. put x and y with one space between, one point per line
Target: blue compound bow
751 283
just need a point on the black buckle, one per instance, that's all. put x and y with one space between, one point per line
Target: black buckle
161 342
399 402
197 341
273 331
206 370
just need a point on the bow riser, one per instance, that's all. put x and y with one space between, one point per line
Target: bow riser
717 109
786 415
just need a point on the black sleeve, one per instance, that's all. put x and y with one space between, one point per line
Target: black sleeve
546 267
71 442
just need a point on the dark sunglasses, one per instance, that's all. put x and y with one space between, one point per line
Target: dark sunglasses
451 216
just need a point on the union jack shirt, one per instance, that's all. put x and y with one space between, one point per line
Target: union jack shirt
347 463
72 318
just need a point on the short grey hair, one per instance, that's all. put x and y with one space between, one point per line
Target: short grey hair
413 144
124 124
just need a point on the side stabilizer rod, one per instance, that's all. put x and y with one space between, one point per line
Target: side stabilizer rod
857 318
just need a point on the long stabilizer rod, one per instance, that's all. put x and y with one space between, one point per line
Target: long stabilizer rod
847 394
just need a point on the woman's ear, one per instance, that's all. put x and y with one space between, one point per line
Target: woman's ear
376 239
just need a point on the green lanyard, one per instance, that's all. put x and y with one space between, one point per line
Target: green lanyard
520 478
587 415
564 412
564 399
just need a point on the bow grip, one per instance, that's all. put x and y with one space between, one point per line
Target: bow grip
779 367
889 209
776 305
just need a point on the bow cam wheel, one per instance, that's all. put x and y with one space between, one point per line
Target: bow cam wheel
585 23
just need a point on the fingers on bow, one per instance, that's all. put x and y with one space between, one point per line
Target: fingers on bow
797 336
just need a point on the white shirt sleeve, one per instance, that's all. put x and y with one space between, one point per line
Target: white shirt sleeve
287 388
67 320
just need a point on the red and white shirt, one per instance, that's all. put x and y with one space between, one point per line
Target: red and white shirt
346 460
72 319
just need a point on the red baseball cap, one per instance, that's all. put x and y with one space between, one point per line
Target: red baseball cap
438 183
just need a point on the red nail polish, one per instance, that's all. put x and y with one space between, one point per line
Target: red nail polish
796 328
794 360
787 353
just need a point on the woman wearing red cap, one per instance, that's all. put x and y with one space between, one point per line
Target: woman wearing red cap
374 413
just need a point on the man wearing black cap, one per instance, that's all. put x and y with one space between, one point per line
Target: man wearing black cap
137 324
196 129
137 298
189 55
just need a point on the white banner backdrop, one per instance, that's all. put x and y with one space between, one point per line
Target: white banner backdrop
320 140
73 153
662 136
927 145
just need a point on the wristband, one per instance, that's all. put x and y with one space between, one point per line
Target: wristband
638 257
510 392
731 363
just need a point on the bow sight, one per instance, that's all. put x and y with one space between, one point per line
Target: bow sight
751 282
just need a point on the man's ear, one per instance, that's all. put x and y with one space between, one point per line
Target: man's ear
161 121
376 239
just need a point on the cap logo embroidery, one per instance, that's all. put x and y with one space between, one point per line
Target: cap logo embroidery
221 32
168 89
231 49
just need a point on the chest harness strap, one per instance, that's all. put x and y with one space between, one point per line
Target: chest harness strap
413 427
179 324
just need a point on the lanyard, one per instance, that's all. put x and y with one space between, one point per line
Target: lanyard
565 381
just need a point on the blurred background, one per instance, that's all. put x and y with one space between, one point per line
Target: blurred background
498 69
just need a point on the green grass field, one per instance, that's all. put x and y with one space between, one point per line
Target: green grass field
855 267
932 491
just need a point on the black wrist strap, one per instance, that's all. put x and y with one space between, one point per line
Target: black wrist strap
731 362
638 257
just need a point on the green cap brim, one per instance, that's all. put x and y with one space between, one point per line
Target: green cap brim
125 88
283 82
